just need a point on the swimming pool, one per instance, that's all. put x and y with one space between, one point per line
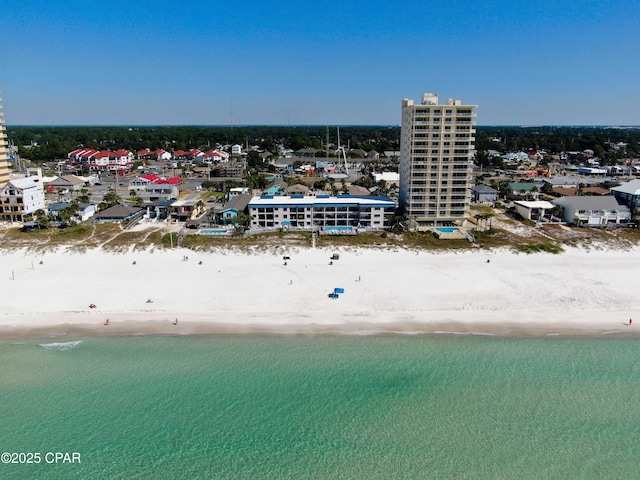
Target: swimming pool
213 231
338 229
446 229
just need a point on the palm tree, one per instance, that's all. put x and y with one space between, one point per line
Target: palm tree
111 199
84 196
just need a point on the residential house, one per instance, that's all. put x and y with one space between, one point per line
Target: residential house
215 155
140 183
161 154
298 189
236 149
85 210
515 157
159 209
233 207
236 191
188 209
306 152
593 210
565 192
20 198
159 191
391 178
628 194
535 210
358 191
595 191
484 193
66 183
519 190
358 153
277 187
564 181
119 213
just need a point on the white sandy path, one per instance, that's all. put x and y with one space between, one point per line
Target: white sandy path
398 290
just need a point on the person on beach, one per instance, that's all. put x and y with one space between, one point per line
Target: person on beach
176 322
107 322
630 321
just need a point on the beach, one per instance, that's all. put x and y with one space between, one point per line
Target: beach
578 292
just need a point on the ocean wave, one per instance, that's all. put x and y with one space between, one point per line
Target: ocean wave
446 332
60 346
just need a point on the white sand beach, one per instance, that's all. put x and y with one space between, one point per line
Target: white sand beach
577 292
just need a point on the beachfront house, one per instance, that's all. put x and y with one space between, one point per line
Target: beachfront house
593 211
159 209
328 214
20 198
119 213
229 212
628 194
85 210
535 211
188 209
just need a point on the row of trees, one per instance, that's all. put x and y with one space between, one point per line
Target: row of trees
49 143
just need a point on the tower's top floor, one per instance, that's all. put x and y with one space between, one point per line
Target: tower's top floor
432 99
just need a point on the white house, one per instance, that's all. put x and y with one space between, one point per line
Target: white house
21 197
593 210
535 210
236 149
390 177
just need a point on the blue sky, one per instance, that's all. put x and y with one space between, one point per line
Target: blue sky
165 62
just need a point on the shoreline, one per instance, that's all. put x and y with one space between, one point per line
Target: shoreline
128 325
577 293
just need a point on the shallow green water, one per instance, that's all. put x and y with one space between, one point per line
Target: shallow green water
323 407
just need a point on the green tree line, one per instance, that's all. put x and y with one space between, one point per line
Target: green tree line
45 143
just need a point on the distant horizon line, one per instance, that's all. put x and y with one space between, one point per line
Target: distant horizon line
203 125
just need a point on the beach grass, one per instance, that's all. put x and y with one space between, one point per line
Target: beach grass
503 232
544 247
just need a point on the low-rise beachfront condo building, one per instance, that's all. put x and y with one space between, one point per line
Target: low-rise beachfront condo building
20 198
436 160
4 153
341 214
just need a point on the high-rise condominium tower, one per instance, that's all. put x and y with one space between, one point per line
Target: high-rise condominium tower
4 154
436 160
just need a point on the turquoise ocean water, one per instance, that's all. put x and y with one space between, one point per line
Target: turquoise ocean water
323 407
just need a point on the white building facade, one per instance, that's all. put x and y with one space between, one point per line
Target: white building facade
4 153
324 212
21 197
436 160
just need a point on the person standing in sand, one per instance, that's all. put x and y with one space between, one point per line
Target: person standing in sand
630 321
